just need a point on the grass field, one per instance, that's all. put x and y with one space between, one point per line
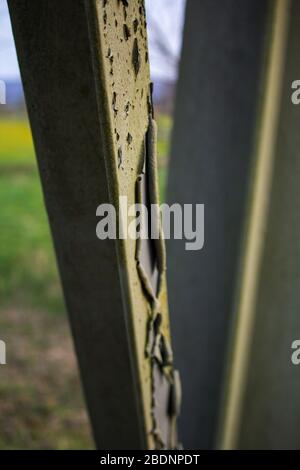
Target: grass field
16 146
41 404
28 275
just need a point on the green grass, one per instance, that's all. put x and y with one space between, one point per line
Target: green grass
164 123
163 149
16 147
28 274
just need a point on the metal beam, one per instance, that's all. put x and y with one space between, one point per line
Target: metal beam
217 105
261 406
85 72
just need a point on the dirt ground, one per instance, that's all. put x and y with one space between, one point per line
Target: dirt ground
41 402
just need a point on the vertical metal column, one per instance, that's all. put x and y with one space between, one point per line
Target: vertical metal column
85 71
261 408
217 105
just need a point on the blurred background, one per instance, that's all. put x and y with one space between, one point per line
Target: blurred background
39 407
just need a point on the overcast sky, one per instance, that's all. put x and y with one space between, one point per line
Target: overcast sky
165 21
8 61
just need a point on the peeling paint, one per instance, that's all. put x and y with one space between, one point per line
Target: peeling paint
126 32
114 102
135 25
125 80
129 138
157 347
120 157
136 60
